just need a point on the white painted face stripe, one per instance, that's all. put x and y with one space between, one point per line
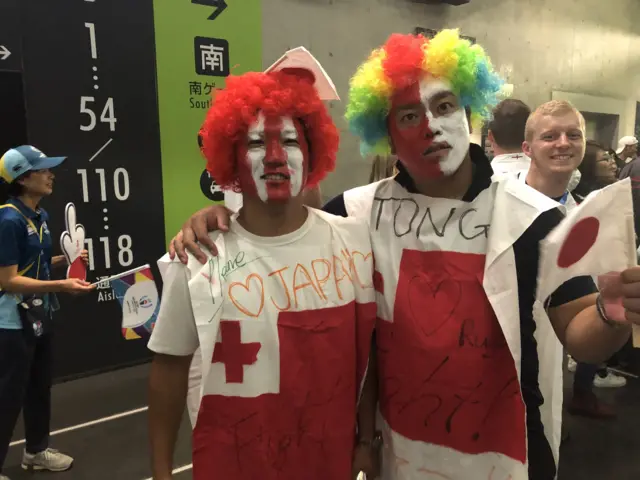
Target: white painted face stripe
452 129
431 87
455 128
256 156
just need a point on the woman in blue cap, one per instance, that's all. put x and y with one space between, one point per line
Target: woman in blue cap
27 300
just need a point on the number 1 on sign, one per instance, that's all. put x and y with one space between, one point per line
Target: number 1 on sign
92 39
107 253
89 243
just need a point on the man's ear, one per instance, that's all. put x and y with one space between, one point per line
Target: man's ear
526 148
490 138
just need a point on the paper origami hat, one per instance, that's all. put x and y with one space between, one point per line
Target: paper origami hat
301 59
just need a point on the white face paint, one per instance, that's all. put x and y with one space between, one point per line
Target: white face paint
264 157
452 128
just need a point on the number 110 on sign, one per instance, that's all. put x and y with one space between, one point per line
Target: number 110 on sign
121 187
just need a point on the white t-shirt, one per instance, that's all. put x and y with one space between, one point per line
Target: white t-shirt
284 325
232 200
510 163
569 202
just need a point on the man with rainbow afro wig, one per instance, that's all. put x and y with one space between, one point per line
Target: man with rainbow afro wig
283 315
469 364
411 70
466 390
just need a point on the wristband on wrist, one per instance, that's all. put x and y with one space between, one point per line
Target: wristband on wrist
603 314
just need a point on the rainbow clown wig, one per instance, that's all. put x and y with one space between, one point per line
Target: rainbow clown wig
406 59
281 93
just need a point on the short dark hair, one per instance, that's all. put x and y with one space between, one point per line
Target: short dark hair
11 190
508 123
588 180
588 166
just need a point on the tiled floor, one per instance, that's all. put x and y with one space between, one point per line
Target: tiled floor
118 449
604 450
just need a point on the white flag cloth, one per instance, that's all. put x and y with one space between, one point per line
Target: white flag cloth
300 57
595 238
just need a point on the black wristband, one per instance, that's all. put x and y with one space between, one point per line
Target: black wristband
603 314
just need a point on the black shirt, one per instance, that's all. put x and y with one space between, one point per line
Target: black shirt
632 170
526 251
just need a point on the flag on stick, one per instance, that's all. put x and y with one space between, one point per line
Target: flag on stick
137 293
597 239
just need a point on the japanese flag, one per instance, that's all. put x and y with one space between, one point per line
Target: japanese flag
596 238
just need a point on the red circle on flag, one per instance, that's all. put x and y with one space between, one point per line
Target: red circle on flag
579 241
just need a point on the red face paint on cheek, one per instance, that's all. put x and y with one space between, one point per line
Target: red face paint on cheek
411 136
300 171
292 143
273 162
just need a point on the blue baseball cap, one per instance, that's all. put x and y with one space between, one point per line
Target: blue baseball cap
21 160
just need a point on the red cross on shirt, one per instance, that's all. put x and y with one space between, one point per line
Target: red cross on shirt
232 352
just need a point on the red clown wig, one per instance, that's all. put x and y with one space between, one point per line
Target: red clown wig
237 106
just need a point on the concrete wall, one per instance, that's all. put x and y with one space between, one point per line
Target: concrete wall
588 47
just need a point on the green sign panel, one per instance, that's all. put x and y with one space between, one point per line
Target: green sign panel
198 43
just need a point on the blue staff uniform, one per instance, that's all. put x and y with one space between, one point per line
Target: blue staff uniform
25 359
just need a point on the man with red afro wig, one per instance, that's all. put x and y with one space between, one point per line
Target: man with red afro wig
274 95
283 315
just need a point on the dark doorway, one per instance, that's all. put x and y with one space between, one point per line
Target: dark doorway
13 116
602 127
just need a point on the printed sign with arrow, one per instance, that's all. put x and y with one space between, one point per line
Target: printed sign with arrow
11 36
4 52
219 5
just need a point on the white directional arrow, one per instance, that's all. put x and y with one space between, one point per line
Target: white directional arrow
4 52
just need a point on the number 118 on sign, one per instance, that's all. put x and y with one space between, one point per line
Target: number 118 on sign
125 254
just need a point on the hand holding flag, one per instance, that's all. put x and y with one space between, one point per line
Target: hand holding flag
598 239
137 293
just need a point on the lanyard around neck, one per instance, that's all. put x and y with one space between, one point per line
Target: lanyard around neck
564 198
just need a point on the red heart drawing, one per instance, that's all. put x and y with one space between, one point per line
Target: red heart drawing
249 295
432 304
